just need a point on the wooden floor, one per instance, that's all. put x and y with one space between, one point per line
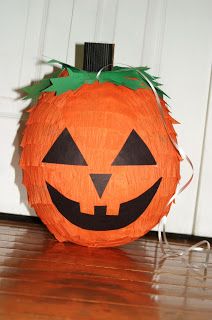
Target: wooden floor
42 279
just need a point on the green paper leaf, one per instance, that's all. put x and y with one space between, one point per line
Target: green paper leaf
33 91
64 65
72 82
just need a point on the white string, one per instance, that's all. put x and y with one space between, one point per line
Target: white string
169 252
166 249
174 143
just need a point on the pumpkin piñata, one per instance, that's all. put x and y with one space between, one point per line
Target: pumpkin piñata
98 164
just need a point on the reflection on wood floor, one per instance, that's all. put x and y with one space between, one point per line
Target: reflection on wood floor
42 279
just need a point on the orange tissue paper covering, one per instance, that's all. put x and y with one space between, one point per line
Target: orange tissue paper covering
98 164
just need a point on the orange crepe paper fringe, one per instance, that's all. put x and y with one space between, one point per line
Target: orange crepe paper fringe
99 117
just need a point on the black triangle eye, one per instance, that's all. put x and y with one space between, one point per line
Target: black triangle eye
134 152
65 151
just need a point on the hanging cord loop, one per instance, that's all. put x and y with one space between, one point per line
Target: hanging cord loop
174 143
166 249
169 252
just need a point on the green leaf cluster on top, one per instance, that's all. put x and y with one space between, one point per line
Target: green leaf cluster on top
121 76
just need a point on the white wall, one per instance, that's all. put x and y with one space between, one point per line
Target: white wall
173 37
203 220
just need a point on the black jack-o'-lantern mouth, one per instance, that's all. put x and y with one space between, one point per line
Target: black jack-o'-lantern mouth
133 152
128 212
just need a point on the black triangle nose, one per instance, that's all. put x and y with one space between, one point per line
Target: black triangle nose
100 182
